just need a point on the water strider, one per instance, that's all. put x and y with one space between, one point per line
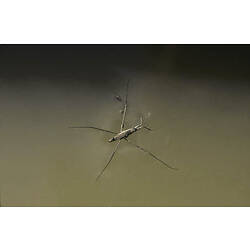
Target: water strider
123 135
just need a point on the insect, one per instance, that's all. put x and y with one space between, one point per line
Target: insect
123 135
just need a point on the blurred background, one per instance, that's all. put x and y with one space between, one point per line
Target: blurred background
194 97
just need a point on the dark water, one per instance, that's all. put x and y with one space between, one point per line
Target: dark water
195 98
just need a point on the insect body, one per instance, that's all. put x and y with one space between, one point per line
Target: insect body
125 133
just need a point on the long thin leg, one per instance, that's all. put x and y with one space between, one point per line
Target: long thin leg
110 159
124 109
147 128
143 125
148 152
104 130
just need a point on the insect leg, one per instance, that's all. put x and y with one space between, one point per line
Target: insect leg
104 130
151 154
110 159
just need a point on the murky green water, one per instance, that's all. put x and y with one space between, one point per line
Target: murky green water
200 126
